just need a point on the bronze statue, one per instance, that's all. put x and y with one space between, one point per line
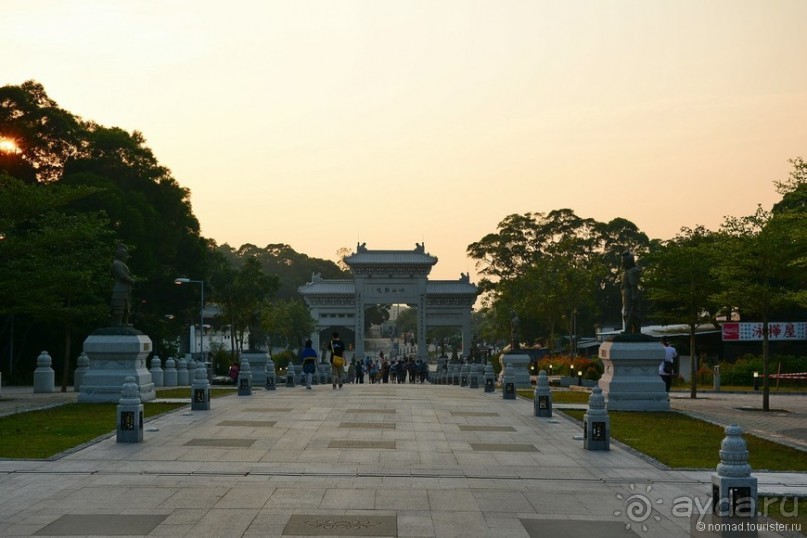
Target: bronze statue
631 274
122 291
515 337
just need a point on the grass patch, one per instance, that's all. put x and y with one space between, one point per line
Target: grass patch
47 432
680 441
185 392
560 396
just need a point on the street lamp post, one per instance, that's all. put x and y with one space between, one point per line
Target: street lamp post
183 280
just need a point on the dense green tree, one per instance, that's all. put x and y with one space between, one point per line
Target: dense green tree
555 269
291 268
288 321
55 264
46 135
149 210
146 207
242 293
678 282
762 269
406 320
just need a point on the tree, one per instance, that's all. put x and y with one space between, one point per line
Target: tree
291 268
241 292
761 269
46 135
56 264
554 269
678 282
375 315
289 319
146 207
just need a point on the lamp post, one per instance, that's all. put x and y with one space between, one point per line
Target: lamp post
183 280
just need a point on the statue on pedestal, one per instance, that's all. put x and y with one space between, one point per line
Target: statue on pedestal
515 337
631 274
122 291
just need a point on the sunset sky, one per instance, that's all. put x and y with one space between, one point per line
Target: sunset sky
321 124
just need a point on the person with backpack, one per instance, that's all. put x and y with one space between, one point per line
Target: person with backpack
309 358
337 360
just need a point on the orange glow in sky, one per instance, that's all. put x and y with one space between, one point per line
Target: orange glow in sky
322 123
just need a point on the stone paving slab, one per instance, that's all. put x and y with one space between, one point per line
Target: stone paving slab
318 525
102 525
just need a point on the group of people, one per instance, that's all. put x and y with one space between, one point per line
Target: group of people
380 370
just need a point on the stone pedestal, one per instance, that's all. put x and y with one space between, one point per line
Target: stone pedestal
183 378
116 353
734 490
245 378
630 381
82 365
200 391
290 375
170 373
509 383
596 423
271 375
130 413
490 378
156 371
542 399
257 361
520 363
45 377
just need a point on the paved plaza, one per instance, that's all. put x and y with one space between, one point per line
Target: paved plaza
368 460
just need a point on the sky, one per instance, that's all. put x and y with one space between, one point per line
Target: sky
325 123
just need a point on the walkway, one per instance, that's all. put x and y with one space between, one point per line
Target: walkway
367 460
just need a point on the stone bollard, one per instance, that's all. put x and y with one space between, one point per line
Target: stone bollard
245 379
170 373
290 376
490 378
156 371
82 365
191 364
542 401
509 383
734 490
200 391
130 413
271 375
464 371
456 378
473 376
596 423
183 378
44 376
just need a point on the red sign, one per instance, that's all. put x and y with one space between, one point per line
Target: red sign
731 331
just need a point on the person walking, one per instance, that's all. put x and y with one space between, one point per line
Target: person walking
665 369
337 360
309 358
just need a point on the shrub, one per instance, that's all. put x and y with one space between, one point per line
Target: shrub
283 359
741 372
562 365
